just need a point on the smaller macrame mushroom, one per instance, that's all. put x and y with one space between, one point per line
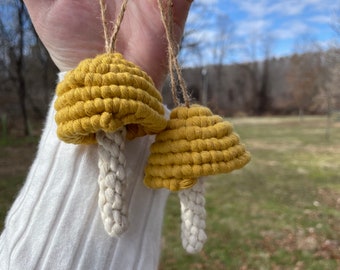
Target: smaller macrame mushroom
195 143
105 100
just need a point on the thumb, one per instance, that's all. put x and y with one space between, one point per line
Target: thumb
181 9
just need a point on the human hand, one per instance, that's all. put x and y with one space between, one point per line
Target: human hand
73 31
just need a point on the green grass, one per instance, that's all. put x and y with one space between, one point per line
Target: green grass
17 141
282 211
16 155
8 190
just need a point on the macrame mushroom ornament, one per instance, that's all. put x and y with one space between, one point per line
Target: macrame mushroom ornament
195 143
105 100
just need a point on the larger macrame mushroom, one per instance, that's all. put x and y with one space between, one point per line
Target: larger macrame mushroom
105 100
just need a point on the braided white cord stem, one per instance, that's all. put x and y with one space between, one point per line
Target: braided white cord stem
111 180
193 217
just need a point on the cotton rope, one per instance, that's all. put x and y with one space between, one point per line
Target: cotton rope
112 181
193 217
105 100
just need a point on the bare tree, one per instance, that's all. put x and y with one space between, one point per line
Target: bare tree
14 40
206 40
258 70
222 38
263 104
303 80
330 94
193 40
27 73
334 59
220 48
43 68
329 82
304 74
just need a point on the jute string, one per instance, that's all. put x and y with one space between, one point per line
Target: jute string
112 177
110 38
192 200
176 77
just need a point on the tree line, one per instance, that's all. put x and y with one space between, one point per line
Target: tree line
305 82
27 74
299 84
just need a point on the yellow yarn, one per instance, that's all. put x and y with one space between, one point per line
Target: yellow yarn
106 93
195 143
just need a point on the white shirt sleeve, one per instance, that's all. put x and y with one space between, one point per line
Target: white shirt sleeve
55 223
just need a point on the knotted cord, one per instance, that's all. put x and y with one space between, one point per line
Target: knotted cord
176 77
192 213
111 163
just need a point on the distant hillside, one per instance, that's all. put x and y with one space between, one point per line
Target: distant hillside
286 85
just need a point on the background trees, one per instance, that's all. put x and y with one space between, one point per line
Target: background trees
25 77
302 83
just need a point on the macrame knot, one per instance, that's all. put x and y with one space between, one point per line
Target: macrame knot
195 143
106 93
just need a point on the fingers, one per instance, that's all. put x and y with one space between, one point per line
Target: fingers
37 7
181 10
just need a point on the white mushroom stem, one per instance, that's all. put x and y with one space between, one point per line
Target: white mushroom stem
111 180
193 216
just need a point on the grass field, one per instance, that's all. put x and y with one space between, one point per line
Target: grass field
280 212
16 155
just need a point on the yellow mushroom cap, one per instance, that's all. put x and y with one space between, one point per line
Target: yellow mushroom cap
195 143
106 93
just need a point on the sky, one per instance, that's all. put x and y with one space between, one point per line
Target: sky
283 23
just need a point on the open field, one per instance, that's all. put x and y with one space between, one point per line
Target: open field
280 212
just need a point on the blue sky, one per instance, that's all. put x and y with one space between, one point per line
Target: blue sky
284 22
